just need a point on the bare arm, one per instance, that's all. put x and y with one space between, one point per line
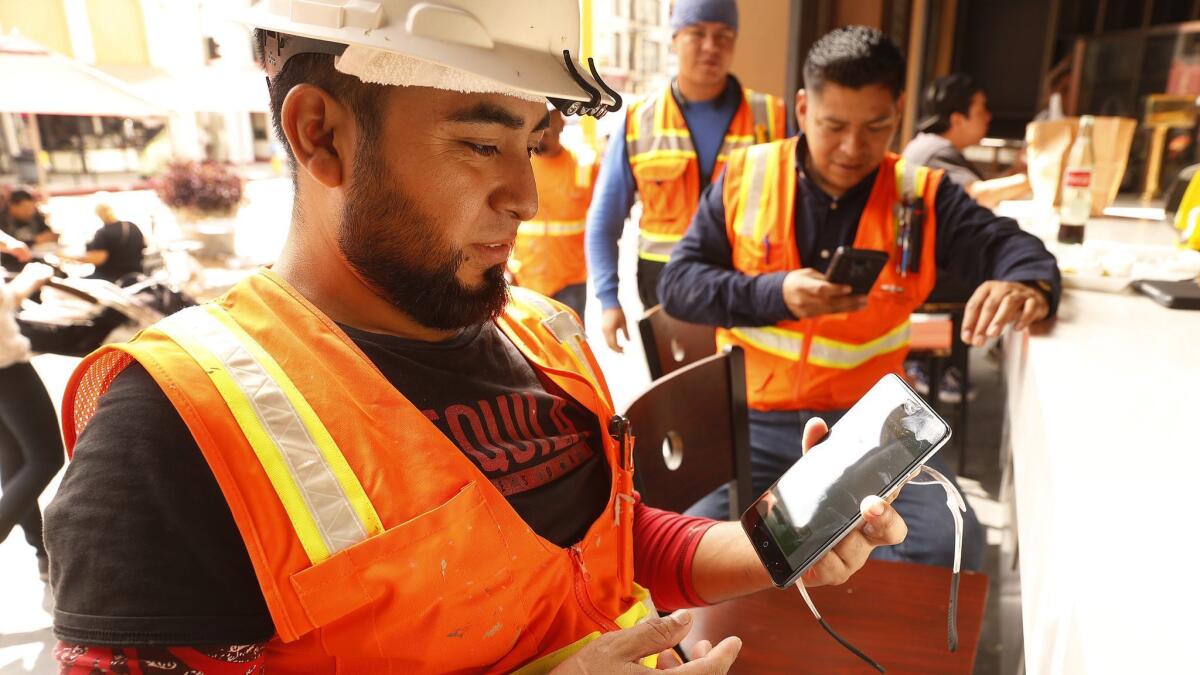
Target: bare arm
990 193
97 257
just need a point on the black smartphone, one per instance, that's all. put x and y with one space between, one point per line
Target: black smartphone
873 450
857 268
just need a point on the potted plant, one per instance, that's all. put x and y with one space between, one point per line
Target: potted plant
205 197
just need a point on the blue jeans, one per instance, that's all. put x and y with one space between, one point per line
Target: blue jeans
775 439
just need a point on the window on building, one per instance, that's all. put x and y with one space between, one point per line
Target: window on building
653 59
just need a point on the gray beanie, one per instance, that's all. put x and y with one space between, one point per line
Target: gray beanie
688 12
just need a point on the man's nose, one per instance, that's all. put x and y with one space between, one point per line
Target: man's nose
517 195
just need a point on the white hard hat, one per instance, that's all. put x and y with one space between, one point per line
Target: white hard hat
523 48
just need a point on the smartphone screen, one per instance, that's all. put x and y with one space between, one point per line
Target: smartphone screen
887 435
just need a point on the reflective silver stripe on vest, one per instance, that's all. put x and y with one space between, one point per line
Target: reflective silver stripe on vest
552 228
781 343
336 520
652 139
756 159
760 110
562 325
845 356
657 247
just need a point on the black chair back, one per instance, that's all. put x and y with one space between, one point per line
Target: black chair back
693 435
671 344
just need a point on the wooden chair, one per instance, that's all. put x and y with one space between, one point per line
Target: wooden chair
671 344
934 339
693 436
895 612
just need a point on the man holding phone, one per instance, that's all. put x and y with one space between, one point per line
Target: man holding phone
755 258
384 459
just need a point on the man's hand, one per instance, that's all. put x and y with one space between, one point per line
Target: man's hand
807 293
612 321
995 305
18 249
883 527
620 651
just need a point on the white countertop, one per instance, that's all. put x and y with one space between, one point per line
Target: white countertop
1104 427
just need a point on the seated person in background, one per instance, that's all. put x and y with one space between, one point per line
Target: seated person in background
957 116
115 249
23 221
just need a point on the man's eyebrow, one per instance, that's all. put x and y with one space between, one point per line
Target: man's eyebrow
488 113
544 124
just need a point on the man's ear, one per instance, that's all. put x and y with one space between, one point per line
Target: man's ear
801 107
317 128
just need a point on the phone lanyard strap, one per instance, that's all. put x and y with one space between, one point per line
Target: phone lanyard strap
957 506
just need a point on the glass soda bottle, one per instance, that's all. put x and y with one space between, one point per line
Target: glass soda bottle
1077 186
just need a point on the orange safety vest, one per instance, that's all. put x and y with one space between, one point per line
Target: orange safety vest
378 545
826 362
548 255
663 160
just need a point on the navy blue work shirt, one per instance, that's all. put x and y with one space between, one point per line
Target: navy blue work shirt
700 284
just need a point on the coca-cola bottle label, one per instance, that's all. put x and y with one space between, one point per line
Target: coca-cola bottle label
1078 178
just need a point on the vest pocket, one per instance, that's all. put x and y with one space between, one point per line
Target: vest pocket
660 188
434 589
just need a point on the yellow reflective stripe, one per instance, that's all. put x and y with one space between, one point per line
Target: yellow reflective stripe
553 228
319 436
563 326
264 447
660 236
846 355
325 502
661 154
782 343
657 247
641 610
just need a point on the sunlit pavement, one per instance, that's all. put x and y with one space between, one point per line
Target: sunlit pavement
26 644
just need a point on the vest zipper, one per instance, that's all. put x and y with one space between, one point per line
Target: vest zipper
582 596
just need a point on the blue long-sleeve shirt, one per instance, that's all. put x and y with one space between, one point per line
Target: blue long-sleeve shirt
615 187
700 284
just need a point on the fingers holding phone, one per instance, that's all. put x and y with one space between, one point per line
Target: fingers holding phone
808 293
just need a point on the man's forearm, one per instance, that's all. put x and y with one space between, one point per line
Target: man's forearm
989 193
726 566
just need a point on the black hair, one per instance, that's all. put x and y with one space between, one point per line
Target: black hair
19 196
945 96
317 69
854 57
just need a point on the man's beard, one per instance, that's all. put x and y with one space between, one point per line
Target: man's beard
401 252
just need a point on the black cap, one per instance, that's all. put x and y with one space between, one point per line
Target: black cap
945 95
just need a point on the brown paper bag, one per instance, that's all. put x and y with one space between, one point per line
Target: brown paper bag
1047 145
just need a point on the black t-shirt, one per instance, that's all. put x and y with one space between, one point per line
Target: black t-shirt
144 547
124 243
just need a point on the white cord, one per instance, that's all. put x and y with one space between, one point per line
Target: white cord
954 502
